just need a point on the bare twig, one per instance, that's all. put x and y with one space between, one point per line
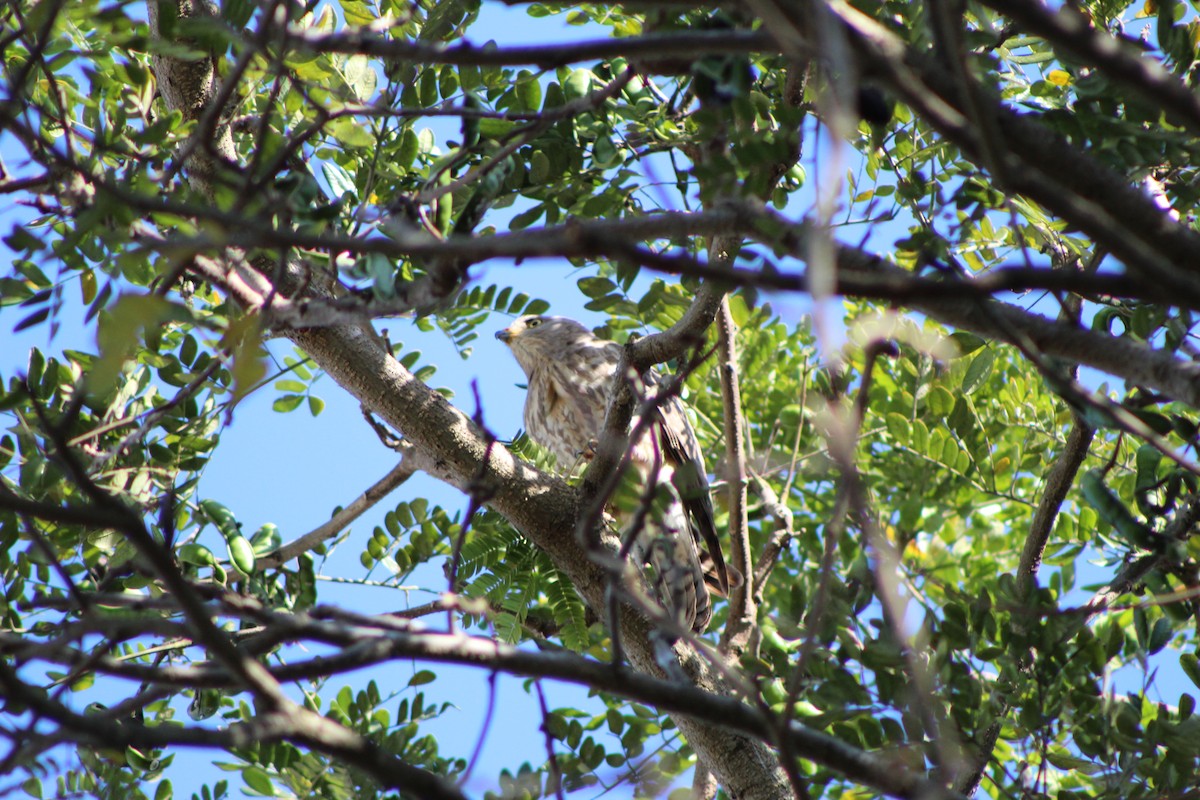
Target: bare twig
479 491
743 610
397 475
551 758
1058 483
483 731
780 537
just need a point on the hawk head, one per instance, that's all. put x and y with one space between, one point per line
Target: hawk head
536 330
536 339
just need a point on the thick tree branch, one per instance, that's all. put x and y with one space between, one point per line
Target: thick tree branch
688 44
611 238
1140 364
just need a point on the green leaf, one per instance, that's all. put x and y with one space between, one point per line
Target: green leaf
237 12
898 427
596 287
939 402
578 84
407 152
314 67
289 402
422 677
518 303
1160 636
20 239
978 371
429 86
205 703
1191 667
351 132
495 128
528 91
340 182
360 76
258 781
1114 512
36 318
1063 759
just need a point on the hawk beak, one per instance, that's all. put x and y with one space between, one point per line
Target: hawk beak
505 335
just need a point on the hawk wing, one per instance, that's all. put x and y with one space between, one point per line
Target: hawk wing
666 543
681 449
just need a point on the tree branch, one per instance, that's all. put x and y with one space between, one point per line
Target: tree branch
306 728
743 611
1036 161
366 641
1123 60
1058 483
398 474
690 44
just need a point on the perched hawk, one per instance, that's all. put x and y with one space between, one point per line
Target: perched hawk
570 372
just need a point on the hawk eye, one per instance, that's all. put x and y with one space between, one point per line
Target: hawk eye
533 323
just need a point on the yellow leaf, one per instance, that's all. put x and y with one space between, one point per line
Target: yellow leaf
244 338
119 331
1059 77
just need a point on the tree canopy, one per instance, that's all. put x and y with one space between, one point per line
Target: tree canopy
962 490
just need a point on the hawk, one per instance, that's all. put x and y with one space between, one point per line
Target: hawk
571 373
